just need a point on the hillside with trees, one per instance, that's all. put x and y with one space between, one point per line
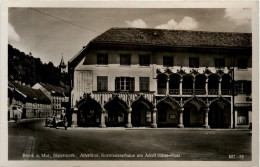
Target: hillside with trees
30 70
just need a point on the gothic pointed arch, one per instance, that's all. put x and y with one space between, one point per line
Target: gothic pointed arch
143 100
195 101
170 101
88 99
220 100
115 100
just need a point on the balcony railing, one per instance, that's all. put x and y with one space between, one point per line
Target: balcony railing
213 91
104 96
187 91
199 91
174 91
161 91
226 92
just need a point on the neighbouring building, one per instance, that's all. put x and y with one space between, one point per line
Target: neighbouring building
163 78
31 103
57 95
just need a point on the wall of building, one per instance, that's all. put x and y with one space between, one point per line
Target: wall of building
85 74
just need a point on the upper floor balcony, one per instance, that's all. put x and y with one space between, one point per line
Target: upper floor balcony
194 83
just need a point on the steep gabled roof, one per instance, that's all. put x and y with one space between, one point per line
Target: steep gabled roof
32 95
55 89
174 38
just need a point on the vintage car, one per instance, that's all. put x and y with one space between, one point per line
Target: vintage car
49 121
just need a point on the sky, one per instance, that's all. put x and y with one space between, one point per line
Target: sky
49 33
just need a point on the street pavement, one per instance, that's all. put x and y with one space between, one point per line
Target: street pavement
30 140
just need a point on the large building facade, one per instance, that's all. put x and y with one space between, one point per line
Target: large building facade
163 78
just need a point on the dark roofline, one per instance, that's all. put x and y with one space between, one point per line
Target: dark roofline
81 54
169 46
159 29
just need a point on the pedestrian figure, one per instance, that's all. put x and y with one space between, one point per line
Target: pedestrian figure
65 122
54 122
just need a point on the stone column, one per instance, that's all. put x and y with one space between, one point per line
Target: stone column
167 86
206 86
193 85
180 125
219 87
206 121
129 124
180 85
154 123
102 119
74 122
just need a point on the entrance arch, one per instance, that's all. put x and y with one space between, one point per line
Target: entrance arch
89 112
116 112
168 115
141 112
220 114
193 114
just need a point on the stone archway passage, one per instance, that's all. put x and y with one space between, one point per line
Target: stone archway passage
141 115
167 115
89 115
116 112
116 116
219 115
193 116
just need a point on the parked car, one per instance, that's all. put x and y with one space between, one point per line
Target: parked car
53 121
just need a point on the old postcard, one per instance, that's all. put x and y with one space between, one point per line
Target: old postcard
129 83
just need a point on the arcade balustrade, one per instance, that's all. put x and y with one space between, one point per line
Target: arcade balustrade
194 91
104 96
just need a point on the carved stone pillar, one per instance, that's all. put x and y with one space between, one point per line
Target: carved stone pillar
167 86
219 86
129 123
154 116
193 85
180 85
180 125
102 119
206 121
206 86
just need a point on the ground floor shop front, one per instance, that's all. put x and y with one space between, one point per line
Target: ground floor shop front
193 112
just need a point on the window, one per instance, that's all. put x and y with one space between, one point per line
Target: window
243 87
220 62
194 62
144 84
242 63
125 84
148 116
144 60
102 59
167 61
125 60
102 83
